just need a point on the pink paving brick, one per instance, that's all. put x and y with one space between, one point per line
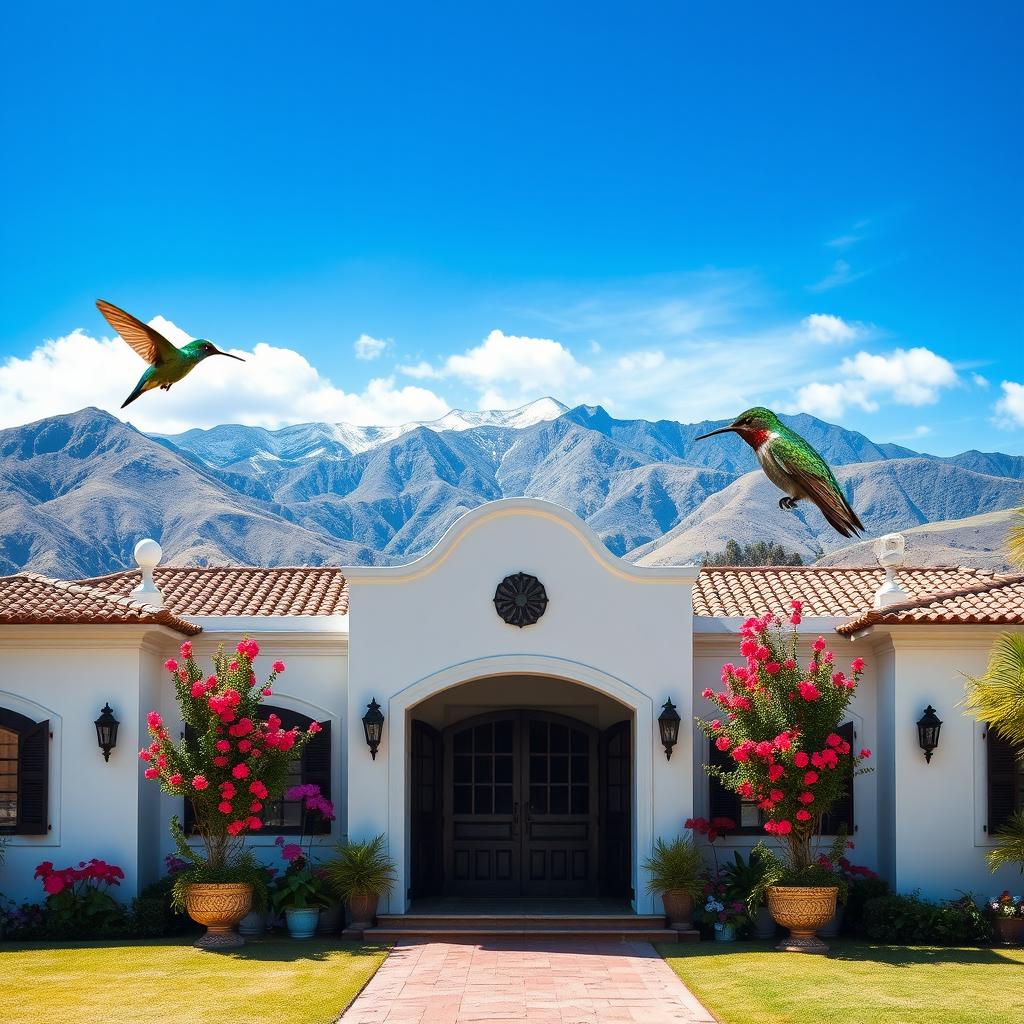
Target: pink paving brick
519 981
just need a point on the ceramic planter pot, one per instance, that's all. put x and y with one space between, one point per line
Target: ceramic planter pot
330 919
302 921
253 925
219 906
678 909
725 932
363 910
1010 930
803 909
830 929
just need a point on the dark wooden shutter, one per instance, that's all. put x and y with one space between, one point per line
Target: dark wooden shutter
1003 779
34 780
841 816
722 802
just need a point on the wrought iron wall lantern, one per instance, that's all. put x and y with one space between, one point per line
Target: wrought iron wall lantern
106 731
668 726
373 726
928 727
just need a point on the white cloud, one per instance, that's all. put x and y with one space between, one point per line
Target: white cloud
509 370
829 329
1011 405
640 362
978 381
369 348
913 376
420 371
275 386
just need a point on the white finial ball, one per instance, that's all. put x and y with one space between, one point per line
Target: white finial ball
148 553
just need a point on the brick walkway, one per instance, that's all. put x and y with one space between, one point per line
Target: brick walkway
548 982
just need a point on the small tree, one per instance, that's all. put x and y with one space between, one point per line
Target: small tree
779 722
230 763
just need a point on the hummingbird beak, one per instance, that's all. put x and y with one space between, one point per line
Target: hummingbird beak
720 430
229 355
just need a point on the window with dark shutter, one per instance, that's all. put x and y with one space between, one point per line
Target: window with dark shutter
722 802
24 775
1005 779
284 817
841 816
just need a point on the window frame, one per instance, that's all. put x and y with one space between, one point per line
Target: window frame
32 783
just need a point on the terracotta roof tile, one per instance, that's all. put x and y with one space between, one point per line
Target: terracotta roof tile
995 602
831 591
241 590
31 599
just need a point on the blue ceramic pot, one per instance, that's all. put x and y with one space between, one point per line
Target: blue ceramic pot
725 932
302 921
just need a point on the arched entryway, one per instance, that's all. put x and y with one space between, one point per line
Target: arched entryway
521 802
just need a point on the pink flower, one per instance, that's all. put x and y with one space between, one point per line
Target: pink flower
800 759
175 779
145 755
772 668
244 746
240 771
266 691
819 644
153 720
186 649
198 689
199 782
255 806
806 797
278 666
763 749
789 663
776 795
795 619
783 828
224 807
808 690
857 664
291 851
803 815
221 761
54 883
775 772
865 753
796 605
227 790
223 745
708 693
833 739
152 773
171 665
723 743
235 827
745 789
810 778
258 789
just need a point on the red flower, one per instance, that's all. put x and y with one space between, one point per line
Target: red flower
240 771
278 666
800 759
819 644
857 664
171 665
803 815
186 649
152 773
810 778
806 797
175 779
808 690
199 782
865 753
708 692
833 739
723 743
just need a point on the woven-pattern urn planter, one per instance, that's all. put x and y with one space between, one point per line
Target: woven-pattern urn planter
220 906
803 910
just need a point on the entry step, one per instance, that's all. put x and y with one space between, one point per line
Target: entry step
468 933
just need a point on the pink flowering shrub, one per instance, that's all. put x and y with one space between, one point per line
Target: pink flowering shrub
302 884
779 720
232 761
78 899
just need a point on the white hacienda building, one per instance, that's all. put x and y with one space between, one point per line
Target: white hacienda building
519 758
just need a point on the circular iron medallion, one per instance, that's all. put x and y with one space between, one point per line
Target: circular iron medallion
520 599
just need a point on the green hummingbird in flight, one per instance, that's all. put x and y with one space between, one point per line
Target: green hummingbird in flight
793 466
167 363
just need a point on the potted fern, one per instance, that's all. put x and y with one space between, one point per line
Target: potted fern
360 874
676 872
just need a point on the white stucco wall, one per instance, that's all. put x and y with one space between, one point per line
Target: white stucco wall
420 629
96 809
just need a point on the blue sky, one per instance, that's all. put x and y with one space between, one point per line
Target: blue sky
673 209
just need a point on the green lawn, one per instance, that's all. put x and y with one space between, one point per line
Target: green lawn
166 982
858 983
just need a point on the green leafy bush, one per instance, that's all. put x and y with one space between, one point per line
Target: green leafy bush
860 892
911 919
677 866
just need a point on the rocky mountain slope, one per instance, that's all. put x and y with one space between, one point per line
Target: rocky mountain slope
77 491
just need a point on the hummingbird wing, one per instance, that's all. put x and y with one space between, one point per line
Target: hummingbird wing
815 478
150 344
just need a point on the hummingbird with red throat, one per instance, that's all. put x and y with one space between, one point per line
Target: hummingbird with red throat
793 466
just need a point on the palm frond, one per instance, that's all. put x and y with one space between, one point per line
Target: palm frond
997 697
1009 848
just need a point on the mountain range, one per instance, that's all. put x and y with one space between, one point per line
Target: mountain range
77 491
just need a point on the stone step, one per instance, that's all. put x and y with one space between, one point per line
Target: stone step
478 933
531 922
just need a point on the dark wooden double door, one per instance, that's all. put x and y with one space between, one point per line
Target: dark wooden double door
521 804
